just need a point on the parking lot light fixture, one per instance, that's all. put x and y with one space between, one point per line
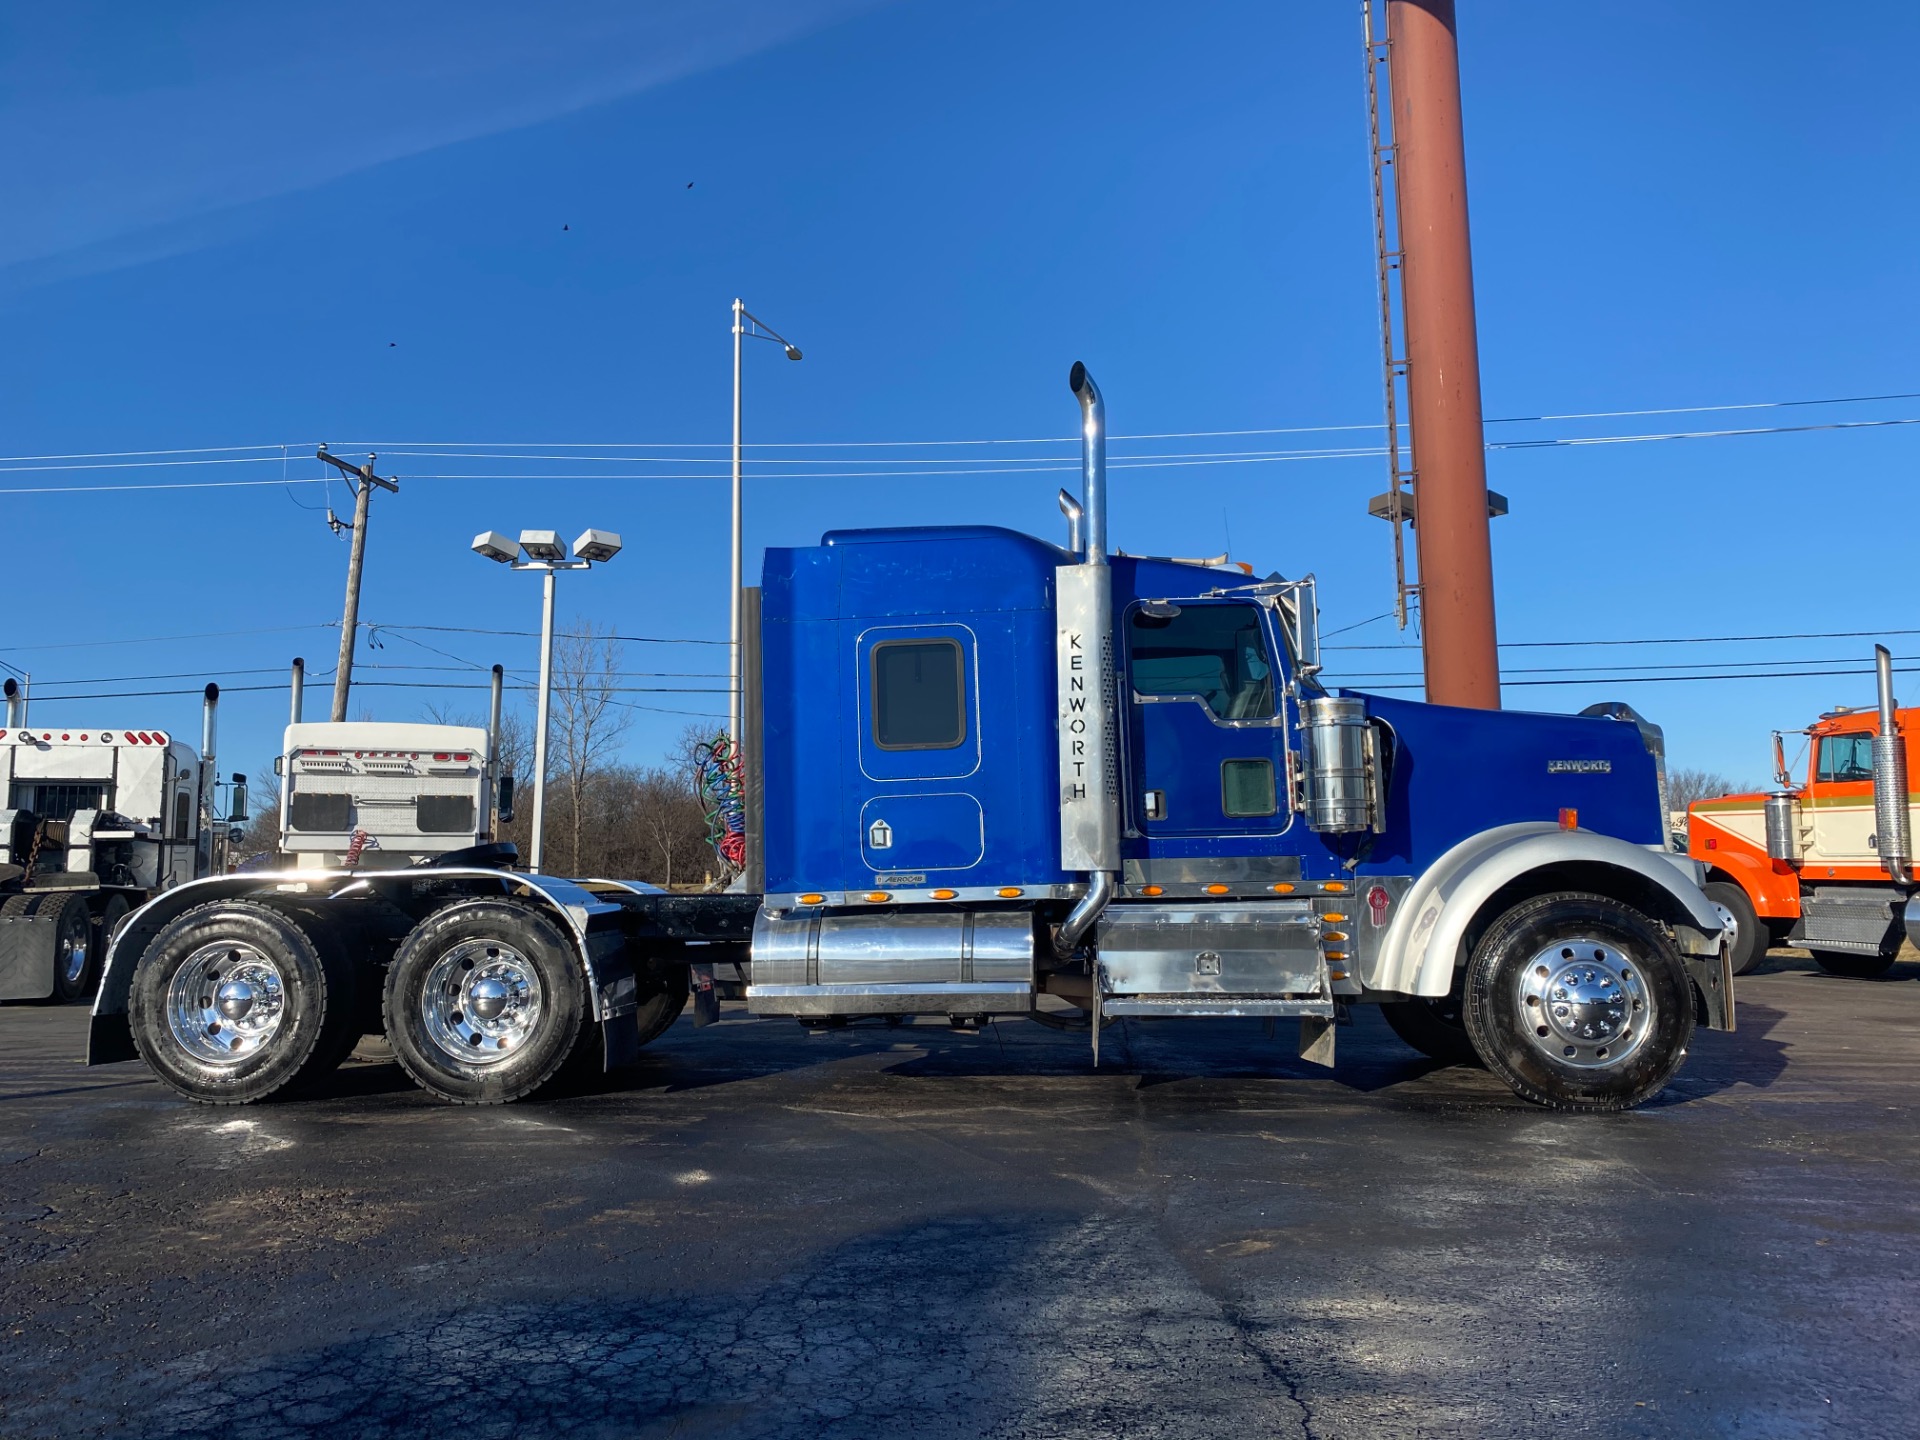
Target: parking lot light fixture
544 553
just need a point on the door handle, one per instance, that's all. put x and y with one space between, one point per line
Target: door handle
1156 804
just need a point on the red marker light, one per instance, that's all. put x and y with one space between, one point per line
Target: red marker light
1569 818
1712 843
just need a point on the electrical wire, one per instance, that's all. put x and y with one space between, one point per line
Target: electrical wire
428 447
1672 640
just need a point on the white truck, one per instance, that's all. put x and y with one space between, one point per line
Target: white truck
94 822
98 821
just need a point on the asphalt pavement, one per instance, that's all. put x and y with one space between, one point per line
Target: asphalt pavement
918 1232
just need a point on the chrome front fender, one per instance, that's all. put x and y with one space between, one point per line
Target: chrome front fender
610 979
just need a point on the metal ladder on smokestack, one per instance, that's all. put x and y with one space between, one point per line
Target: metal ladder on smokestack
1397 505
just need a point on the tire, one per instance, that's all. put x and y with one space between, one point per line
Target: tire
76 959
1854 967
105 924
236 1001
1433 1026
445 1043
658 1011
1579 1002
1748 941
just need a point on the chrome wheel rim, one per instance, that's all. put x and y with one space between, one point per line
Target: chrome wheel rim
73 955
1730 928
226 1002
482 1002
1583 1002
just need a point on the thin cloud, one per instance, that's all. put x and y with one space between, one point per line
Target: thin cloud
222 106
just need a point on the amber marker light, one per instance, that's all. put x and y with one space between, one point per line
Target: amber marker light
946 894
1151 890
1336 954
1011 892
1217 890
813 899
1333 917
1283 888
1335 935
878 897
1336 886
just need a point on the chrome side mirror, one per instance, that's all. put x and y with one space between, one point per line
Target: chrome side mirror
504 809
1780 776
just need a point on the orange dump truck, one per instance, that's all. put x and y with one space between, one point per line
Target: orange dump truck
1825 863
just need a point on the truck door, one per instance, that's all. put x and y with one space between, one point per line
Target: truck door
1206 738
1841 800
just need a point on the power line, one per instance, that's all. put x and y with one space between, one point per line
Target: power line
167 639
1675 640
420 445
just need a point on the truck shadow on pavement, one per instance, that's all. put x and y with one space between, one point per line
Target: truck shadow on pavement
1146 1055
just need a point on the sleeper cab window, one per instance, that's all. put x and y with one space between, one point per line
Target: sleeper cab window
919 695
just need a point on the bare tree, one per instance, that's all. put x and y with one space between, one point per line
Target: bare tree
262 833
587 721
1686 786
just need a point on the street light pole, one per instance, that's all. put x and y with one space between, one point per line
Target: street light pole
540 725
745 324
546 554
733 591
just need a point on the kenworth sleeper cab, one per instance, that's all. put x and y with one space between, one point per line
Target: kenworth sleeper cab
990 776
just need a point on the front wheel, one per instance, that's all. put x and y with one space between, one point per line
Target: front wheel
1854 967
1579 1002
1747 933
485 1001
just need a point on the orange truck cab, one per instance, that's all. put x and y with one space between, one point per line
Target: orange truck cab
1824 862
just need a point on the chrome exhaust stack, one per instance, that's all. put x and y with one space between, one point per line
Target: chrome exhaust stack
296 709
1069 507
17 702
1089 776
1093 462
209 774
1889 776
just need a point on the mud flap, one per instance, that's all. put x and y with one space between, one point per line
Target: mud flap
706 999
1712 977
1316 1039
26 957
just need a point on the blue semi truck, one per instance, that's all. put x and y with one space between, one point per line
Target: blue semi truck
986 776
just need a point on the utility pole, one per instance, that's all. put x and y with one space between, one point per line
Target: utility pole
363 480
1442 358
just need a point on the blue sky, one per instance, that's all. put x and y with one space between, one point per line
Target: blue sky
242 226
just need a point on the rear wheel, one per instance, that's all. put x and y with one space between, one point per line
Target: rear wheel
76 961
235 1001
1747 933
1579 1002
1435 1026
1854 967
659 1010
485 1001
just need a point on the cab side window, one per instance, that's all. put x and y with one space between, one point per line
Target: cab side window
919 695
1846 757
1214 653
